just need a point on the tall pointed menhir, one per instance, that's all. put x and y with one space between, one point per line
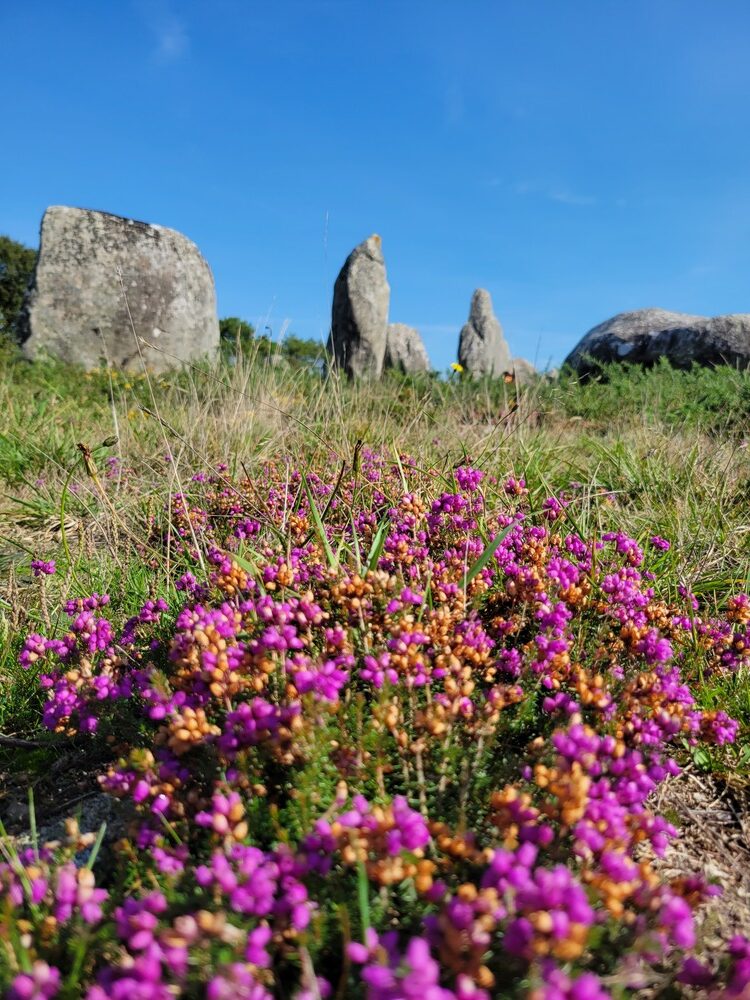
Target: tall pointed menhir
359 316
482 348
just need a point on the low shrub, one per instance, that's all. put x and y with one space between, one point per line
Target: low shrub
398 738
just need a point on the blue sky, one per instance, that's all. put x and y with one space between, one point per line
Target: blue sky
575 158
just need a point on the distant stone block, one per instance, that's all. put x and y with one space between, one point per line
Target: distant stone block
405 350
645 336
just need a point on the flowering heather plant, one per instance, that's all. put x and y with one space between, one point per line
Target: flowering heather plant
40 567
398 738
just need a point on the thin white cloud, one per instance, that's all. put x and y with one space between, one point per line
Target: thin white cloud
568 198
562 195
169 35
172 40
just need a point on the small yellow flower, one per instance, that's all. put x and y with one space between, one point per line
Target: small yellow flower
457 367
128 385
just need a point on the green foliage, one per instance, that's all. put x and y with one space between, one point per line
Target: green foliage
302 352
16 268
716 400
236 335
645 452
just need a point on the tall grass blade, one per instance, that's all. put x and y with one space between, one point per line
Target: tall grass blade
377 544
489 551
319 527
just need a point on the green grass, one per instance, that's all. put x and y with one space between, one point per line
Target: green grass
91 464
668 447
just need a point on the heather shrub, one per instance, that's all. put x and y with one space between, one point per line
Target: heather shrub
396 732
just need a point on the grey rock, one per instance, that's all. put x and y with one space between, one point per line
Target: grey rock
405 350
359 316
482 349
76 309
524 371
90 813
644 336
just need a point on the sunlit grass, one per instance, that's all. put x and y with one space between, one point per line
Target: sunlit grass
128 482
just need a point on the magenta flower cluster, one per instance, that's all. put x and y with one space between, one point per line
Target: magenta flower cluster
410 753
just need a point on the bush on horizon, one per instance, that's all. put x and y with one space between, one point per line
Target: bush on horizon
16 270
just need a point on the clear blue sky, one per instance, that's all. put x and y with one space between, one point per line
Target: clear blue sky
576 158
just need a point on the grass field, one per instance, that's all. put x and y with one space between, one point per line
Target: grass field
421 688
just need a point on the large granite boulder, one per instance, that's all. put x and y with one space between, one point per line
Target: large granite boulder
405 350
95 272
644 336
359 316
482 348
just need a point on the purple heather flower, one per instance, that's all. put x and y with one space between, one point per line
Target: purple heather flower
137 920
415 975
42 983
739 971
141 979
41 568
559 986
236 982
677 917
187 582
74 890
660 543
468 479
694 973
410 831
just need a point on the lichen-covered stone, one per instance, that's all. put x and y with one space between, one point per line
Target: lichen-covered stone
359 316
99 277
482 348
644 336
405 350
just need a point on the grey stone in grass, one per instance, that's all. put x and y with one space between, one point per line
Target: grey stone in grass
646 335
359 316
405 350
482 348
524 371
96 271
91 811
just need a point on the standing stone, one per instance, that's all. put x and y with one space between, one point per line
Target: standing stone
482 348
405 350
359 317
76 309
525 373
644 336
